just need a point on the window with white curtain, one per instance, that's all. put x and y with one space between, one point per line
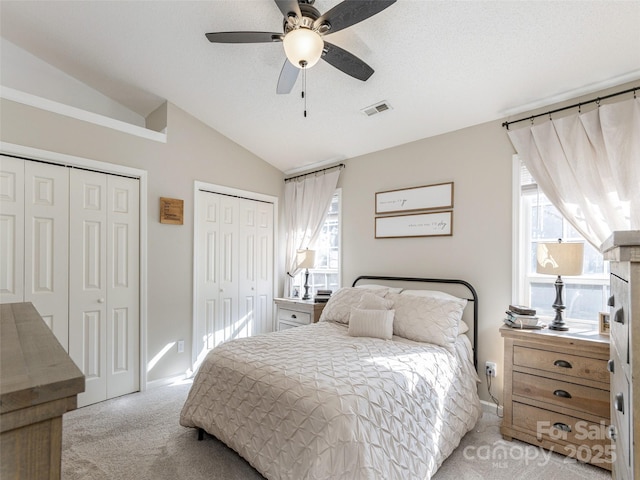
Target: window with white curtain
326 273
584 296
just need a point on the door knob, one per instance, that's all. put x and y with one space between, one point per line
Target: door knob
101 300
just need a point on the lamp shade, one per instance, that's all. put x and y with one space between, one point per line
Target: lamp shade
306 258
556 258
303 47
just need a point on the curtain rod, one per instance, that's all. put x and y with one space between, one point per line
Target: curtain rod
594 100
340 165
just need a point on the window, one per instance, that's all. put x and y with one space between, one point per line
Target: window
540 221
326 273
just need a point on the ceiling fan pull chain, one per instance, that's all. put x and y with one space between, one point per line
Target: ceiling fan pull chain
304 89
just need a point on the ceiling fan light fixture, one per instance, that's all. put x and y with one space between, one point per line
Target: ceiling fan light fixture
303 47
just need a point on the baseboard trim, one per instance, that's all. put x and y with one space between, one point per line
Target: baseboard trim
162 382
490 407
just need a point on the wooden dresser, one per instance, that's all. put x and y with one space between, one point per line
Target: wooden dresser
38 383
556 391
622 250
293 312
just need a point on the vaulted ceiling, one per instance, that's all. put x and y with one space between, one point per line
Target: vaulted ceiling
440 65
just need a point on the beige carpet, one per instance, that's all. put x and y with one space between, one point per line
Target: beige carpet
138 437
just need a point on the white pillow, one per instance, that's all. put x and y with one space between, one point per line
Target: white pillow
338 308
373 286
371 301
462 326
430 319
371 323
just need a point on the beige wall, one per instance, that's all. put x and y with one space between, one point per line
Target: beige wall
193 152
478 161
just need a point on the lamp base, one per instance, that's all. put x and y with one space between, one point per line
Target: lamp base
306 295
558 305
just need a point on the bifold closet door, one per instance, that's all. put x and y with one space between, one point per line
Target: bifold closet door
34 228
11 230
255 267
234 269
103 283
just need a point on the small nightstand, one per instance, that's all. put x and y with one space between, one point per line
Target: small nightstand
293 312
556 391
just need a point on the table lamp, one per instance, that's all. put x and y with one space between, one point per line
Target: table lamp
557 258
306 259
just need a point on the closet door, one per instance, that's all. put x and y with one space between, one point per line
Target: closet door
247 269
88 281
228 253
11 230
123 289
206 274
255 267
46 282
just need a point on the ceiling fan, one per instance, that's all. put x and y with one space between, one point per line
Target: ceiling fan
303 31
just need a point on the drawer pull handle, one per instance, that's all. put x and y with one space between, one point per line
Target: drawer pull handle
562 393
612 433
619 316
293 315
562 363
562 426
612 301
618 403
611 366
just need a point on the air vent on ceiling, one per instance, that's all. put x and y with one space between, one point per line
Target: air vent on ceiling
377 108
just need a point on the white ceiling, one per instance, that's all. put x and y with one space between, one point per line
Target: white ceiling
442 65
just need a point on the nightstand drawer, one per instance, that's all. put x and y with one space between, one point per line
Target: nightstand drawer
294 316
564 394
565 364
619 316
553 426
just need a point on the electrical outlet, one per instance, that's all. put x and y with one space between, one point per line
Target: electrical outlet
180 346
490 369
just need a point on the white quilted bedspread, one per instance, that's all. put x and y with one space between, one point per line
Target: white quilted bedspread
314 403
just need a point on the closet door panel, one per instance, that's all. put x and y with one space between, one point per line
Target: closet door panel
123 291
228 253
247 269
206 271
264 268
88 281
47 245
11 230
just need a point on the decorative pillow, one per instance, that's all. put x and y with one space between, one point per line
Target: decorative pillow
427 319
338 308
462 326
371 323
373 286
371 301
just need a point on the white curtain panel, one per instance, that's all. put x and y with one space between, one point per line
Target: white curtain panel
306 202
588 165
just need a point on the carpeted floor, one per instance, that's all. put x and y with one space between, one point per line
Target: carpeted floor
138 437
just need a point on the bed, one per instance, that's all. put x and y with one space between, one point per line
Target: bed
350 399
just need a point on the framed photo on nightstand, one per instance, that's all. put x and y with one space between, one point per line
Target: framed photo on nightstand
605 327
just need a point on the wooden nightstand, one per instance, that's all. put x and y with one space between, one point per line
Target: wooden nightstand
556 391
293 312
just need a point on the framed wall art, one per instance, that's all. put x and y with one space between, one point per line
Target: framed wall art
433 224
428 197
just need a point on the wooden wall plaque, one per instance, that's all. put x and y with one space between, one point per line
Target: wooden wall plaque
171 211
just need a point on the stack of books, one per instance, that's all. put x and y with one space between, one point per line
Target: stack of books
519 316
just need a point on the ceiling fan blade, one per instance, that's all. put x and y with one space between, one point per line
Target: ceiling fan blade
288 77
346 62
244 37
289 6
350 12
